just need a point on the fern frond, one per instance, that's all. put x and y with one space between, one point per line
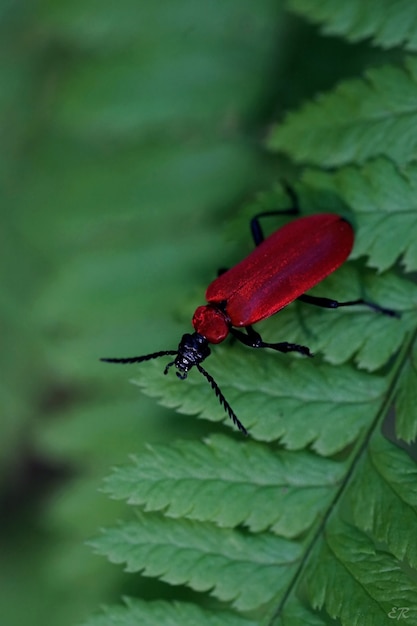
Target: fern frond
292 537
356 332
361 565
384 200
244 479
406 422
387 481
387 23
247 570
368 565
162 613
359 120
352 577
293 400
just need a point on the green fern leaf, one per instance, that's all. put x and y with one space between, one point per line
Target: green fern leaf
387 482
383 198
351 577
359 120
293 537
298 401
406 422
387 22
352 332
161 613
361 569
247 570
296 613
247 484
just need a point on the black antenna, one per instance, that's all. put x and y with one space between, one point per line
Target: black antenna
139 359
147 357
222 399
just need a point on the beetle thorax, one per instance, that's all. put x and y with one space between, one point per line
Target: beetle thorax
212 323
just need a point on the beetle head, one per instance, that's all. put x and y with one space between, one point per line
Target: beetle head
192 350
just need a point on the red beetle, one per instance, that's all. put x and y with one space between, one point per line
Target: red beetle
279 270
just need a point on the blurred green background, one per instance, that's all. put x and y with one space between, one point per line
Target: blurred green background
130 134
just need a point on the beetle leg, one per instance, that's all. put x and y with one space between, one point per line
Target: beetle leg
255 226
254 340
328 303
